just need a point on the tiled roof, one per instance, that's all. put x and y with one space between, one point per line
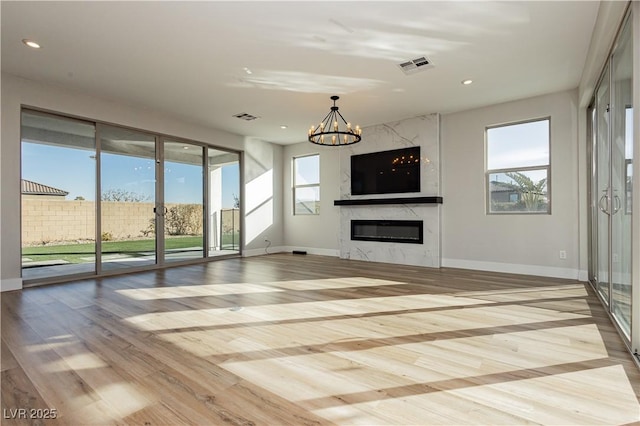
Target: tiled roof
33 188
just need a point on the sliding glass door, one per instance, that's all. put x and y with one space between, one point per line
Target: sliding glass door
100 198
611 213
183 201
224 202
602 192
127 198
58 187
621 157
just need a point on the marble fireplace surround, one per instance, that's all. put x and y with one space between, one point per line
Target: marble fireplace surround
420 131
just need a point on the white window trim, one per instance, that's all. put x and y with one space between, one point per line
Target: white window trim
489 172
294 186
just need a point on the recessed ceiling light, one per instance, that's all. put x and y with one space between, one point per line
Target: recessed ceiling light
31 43
283 127
467 82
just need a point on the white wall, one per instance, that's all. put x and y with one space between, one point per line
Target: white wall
528 244
262 196
262 160
317 234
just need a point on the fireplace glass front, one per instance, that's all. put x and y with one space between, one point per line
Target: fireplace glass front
387 231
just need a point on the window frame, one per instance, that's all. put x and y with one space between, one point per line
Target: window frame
295 186
489 172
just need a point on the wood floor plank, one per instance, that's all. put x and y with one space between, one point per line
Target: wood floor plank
18 392
316 340
158 414
7 360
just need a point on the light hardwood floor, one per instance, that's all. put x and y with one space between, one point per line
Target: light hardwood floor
305 340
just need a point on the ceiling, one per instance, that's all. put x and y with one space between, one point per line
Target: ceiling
190 59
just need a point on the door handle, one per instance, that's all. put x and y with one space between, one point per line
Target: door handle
161 212
617 204
604 209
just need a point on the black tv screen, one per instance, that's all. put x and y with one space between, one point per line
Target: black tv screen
386 172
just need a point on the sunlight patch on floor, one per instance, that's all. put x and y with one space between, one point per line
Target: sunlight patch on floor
248 288
81 361
532 293
124 398
339 332
332 283
295 311
441 363
599 396
195 291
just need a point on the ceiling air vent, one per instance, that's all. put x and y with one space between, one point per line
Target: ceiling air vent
246 117
412 66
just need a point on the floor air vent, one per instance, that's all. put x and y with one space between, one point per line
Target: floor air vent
414 65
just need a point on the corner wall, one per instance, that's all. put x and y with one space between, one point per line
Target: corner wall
262 168
520 243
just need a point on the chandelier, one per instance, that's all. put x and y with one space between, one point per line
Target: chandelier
334 129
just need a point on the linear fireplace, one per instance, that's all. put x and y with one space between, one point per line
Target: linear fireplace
388 231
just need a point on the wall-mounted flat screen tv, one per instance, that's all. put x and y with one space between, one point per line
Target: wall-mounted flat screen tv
386 172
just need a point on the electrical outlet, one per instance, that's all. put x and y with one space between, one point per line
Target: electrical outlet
563 254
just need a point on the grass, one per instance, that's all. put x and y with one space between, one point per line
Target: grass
78 253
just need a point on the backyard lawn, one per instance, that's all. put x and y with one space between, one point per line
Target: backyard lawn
83 253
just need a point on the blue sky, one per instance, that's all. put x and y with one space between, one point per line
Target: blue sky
307 170
522 145
73 170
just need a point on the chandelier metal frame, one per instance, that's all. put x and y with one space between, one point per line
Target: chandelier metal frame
334 130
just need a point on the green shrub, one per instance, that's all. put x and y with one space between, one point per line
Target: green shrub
184 219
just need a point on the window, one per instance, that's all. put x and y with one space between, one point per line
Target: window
306 185
517 175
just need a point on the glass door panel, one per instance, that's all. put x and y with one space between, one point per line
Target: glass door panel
58 186
601 190
128 196
621 156
224 202
183 201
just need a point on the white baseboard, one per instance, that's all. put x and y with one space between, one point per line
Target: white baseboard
513 268
509 268
289 249
312 250
10 284
262 251
583 275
